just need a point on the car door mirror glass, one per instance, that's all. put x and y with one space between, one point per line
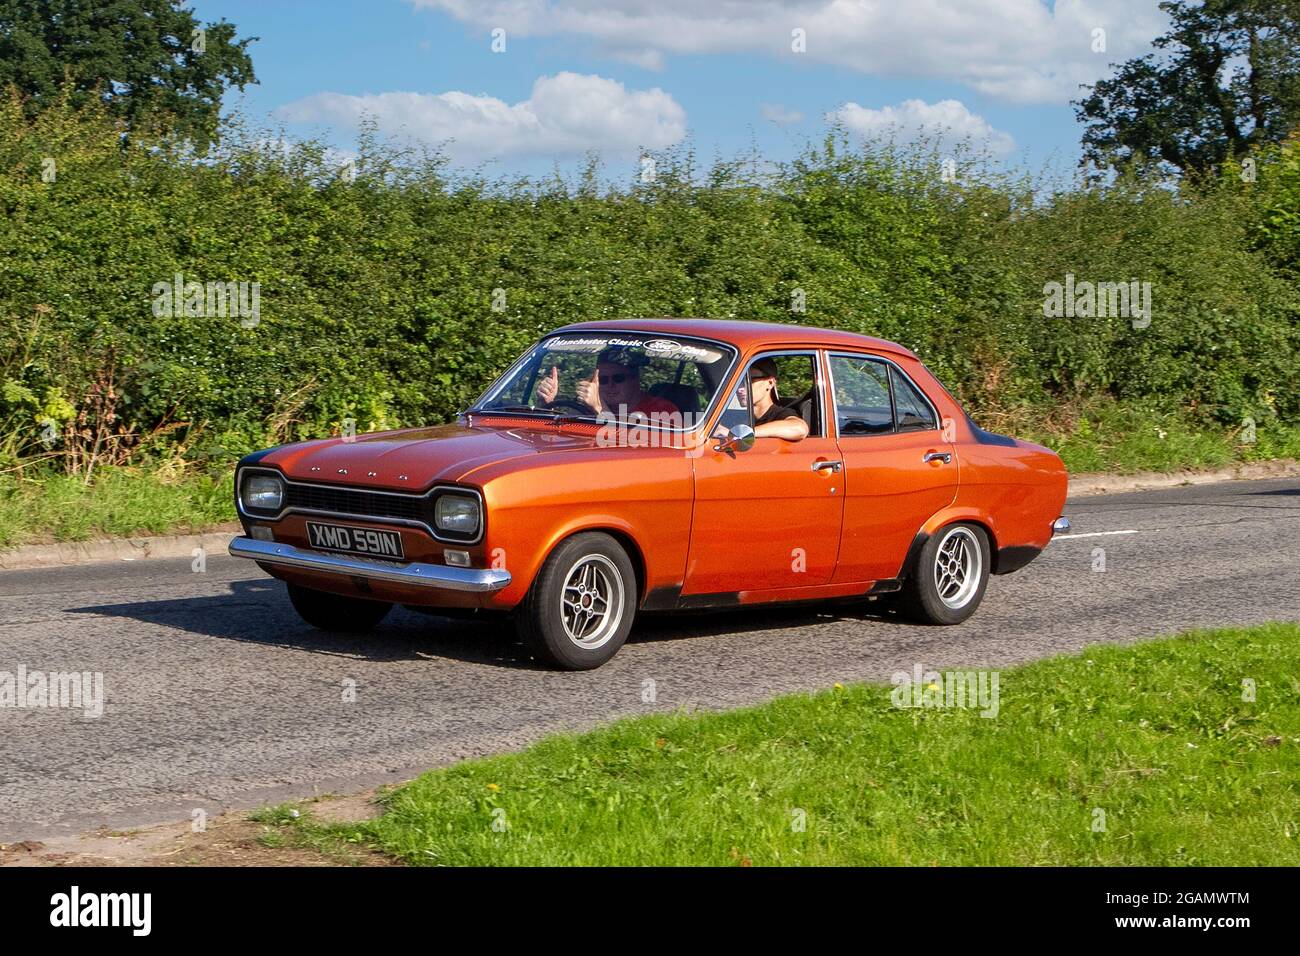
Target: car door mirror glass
739 438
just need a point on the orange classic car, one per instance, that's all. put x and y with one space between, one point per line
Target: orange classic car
658 465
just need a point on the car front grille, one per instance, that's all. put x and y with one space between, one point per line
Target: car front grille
361 503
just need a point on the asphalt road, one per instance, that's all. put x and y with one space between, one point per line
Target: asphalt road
217 695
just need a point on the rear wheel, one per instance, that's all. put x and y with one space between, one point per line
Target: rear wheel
335 612
580 608
950 577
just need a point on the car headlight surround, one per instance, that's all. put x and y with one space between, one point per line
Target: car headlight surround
457 514
261 492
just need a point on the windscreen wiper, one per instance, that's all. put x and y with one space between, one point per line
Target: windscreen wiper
501 409
557 417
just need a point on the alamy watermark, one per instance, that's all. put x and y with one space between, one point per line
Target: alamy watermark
127 910
1099 300
654 430
73 690
241 300
951 689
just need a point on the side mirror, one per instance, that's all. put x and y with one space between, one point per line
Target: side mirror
739 438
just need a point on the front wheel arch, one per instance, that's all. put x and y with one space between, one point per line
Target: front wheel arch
634 555
543 618
620 534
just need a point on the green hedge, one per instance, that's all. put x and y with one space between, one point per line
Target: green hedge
377 293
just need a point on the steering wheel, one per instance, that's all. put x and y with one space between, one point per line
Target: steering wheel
572 403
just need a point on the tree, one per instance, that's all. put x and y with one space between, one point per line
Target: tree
144 58
1223 80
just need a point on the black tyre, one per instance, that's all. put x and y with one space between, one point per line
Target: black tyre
335 612
580 608
950 577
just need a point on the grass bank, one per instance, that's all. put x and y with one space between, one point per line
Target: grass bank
1143 755
119 502
1121 438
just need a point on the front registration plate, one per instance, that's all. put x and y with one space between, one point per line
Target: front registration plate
367 541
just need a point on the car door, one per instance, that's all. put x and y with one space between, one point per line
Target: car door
898 468
768 517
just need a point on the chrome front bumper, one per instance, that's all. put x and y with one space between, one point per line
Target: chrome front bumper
425 575
1061 525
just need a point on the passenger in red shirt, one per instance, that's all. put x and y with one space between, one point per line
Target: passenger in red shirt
614 388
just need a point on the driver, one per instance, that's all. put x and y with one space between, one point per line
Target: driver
614 388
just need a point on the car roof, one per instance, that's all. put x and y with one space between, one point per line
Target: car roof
747 335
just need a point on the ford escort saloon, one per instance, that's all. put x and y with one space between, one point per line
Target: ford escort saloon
658 465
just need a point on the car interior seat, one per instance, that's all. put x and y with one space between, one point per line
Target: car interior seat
806 406
685 397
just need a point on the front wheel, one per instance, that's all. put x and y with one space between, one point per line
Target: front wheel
951 574
335 612
580 608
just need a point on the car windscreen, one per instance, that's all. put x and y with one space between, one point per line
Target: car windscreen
665 380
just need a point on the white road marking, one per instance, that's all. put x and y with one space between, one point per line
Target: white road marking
1093 534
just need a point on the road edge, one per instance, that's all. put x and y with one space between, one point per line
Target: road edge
71 553
1088 485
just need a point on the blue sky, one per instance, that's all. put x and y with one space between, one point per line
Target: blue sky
621 76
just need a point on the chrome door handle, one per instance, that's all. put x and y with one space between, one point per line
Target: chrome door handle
834 466
943 456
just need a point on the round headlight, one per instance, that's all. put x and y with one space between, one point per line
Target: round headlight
263 493
456 513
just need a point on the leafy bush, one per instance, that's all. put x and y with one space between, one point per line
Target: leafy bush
378 298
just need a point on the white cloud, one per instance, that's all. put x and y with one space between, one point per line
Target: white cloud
566 114
945 123
1016 50
780 115
646 58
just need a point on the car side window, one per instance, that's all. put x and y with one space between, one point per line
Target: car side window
862 401
911 411
796 389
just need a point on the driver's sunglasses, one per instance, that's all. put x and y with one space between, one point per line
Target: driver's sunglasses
617 379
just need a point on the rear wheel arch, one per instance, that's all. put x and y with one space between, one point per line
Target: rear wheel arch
988 532
986 526
950 574
936 525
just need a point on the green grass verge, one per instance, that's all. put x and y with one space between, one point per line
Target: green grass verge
117 503
1114 438
1157 736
